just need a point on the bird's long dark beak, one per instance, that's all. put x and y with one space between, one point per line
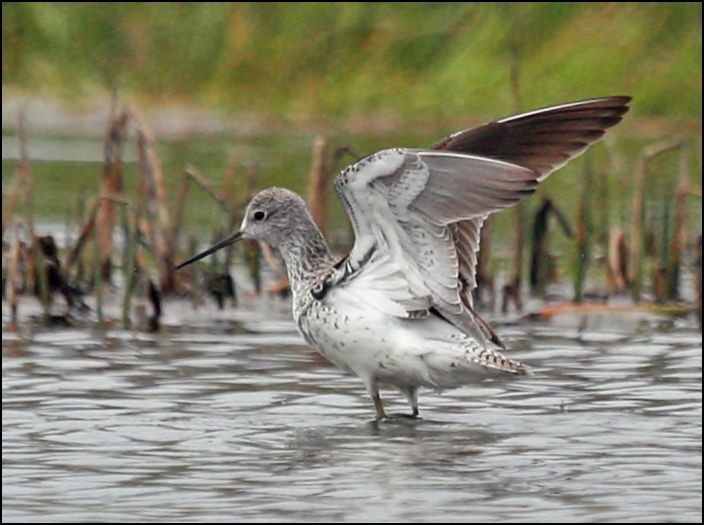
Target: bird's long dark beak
225 242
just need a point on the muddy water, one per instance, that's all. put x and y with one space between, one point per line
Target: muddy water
235 419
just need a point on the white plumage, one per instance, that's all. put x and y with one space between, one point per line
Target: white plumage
398 309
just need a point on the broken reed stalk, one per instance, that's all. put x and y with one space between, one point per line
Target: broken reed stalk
658 251
638 217
13 194
251 248
41 281
68 230
562 221
229 251
192 173
80 213
227 191
98 277
110 186
322 172
614 237
635 268
36 258
13 296
83 235
236 207
87 229
129 266
25 171
617 273
22 194
318 184
178 213
677 239
539 264
584 233
602 219
156 208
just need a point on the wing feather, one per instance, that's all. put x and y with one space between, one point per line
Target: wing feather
543 140
417 214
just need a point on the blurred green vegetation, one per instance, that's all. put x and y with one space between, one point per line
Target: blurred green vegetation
427 68
427 59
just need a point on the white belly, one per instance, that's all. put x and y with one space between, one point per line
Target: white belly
380 347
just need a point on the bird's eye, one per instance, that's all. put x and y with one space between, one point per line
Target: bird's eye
259 215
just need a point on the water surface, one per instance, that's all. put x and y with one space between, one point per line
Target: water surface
234 418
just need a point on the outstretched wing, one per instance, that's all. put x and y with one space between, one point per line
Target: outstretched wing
543 140
417 214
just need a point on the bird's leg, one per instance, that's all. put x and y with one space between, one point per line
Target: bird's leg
374 392
380 414
412 397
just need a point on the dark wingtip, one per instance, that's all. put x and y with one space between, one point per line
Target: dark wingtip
543 139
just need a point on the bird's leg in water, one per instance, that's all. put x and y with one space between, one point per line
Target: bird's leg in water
374 392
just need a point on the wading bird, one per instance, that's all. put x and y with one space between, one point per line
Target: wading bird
397 310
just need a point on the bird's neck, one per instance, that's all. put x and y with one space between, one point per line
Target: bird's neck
306 255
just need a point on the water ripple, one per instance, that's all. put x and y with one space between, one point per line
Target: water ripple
236 422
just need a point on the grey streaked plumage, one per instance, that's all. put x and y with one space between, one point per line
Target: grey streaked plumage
398 309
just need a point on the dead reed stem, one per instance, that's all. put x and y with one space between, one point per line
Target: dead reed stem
318 184
98 277
41 280
584 233
638 217
87 229
110 186
227 191
540 264
11 201
83 235
677 240
156 208
193 174
130 266
26 173
322 171
617 260
13 296
178 213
